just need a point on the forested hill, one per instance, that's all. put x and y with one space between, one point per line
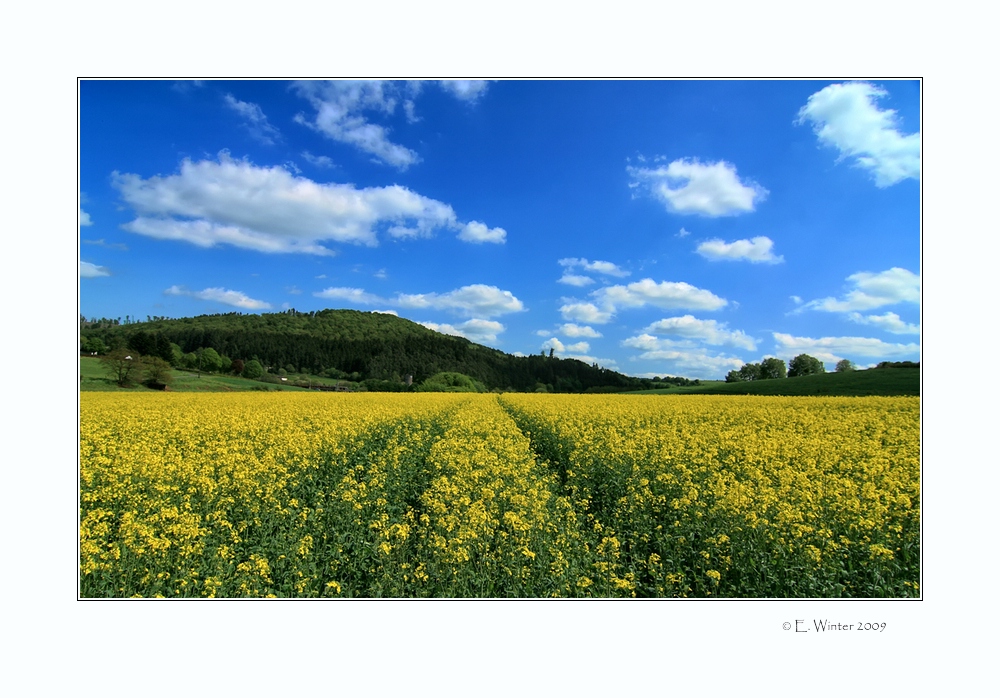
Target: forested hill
354 344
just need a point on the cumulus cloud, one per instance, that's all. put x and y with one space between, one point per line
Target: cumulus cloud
575 351
352 295
575 280
687 186
666 294
707 331
269 209
90 271
756 250
475 330
846 116
585 312
833 349
890 322
255 121
84 218
597 266
237 299
476 300
691 362
560 348
573 330
477 232
873 290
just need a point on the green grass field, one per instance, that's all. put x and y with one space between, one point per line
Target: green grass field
93 377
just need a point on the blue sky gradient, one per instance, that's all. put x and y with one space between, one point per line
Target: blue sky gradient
653 227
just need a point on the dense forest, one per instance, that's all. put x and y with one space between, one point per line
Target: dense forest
351 344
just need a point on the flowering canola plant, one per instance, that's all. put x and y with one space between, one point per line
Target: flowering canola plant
458 495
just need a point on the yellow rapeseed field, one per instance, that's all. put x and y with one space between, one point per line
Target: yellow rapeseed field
458 495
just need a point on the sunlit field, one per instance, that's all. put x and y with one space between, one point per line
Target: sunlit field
495 496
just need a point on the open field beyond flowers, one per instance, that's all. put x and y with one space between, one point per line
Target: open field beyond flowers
459 495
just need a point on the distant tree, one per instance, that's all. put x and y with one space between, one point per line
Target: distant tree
237 367
845 365
210 362
253 370
772 367
451 382
94 345
750 372
158 372
122 366
734 377
805 365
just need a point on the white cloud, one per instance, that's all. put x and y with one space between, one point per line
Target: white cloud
833 349
256 122
237 299
585 312
666 294
475 330
343 110
474 300
560 348
597 266
688 186
84 218
847 117
91 271
575 280
381 274
386 312
796 300
268 209
756 250
466 90
870 291
890 322
317 160
474 231
573 330
683 233
340 107
352 295
688 362
707 331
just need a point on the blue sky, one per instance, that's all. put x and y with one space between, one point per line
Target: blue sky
653 227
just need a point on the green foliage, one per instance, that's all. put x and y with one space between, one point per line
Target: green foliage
451 382
253 370
210 360
771 368
157 371
845 365
94 345
805 365
122 366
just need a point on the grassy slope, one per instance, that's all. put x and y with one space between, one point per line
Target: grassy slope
93 377
882 381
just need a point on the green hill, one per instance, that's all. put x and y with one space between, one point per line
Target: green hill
357 346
